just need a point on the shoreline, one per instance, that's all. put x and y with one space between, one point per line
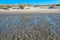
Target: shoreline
24 11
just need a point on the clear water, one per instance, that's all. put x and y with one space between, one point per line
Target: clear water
34 25
12 21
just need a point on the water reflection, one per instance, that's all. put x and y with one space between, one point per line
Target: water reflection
36 21
12 21
50 21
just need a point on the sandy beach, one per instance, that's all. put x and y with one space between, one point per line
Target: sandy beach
30 24
31 11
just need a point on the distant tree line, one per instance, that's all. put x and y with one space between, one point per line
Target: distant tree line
18 5
23 5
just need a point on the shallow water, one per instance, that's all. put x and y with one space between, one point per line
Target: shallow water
16 20
11 22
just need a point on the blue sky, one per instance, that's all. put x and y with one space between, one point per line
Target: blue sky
29 1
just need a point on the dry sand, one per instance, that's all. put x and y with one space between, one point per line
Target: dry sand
31 11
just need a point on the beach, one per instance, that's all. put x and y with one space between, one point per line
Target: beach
30 24
23 11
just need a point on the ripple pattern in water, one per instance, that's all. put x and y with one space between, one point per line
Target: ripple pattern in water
29 26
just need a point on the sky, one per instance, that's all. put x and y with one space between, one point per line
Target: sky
29 1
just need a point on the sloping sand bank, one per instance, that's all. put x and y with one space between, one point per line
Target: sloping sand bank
31 11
